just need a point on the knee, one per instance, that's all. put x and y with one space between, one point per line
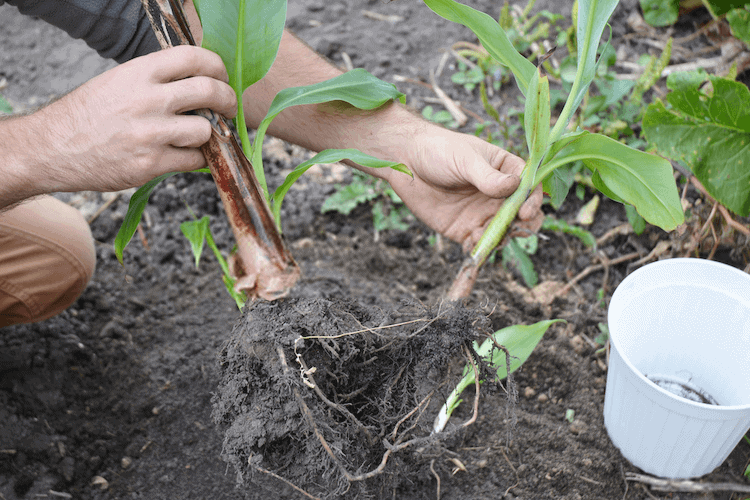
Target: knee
47 258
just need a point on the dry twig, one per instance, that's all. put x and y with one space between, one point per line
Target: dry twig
686 486
104 207
448 103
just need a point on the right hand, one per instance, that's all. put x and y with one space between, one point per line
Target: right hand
127 125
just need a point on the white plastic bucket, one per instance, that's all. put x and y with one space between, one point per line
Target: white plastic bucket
683 324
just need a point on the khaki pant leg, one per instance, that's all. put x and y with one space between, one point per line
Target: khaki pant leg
47 258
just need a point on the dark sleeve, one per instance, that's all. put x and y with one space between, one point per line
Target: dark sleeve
117 29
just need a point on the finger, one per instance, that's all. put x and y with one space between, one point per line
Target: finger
181 160
201 92
187 131
532 206
184 61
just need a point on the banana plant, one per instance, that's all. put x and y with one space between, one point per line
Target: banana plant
627 175
246 34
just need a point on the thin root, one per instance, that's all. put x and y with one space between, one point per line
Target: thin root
437 477
297 488
476 388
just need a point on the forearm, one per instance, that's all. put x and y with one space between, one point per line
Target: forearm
334 125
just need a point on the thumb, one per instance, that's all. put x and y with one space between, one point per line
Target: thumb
492 182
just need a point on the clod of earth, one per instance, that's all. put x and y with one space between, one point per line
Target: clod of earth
336 397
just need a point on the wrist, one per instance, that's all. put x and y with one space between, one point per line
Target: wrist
21 151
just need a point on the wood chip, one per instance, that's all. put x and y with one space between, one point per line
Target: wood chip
377 16
448 103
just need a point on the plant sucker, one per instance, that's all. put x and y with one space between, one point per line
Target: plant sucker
269 269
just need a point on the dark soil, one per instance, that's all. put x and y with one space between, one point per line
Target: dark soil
117 397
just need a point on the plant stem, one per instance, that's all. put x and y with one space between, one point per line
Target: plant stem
240 119
452 401
572 102
504 217
256 158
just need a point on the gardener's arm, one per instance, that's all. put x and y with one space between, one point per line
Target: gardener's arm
459 180
119 130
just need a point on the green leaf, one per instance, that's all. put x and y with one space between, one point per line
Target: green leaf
520 340
557 184
349 197
133 216
720 7
537 113
623 174
739 22
329 156
356 87
245 33
592 17
559 225
660 12
516 256
492 36
710 134
195 231
393 218
636 221
5 106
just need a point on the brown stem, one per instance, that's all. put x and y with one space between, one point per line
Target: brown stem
268 269
464 282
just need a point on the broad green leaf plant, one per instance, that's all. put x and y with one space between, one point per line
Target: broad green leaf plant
246 34
705 125
620 172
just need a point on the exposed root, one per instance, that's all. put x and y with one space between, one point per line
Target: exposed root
437 478
284 480
476 388
309 373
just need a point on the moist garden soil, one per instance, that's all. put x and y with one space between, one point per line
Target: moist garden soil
154 386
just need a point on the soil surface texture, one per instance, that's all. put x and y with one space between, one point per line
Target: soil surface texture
154 386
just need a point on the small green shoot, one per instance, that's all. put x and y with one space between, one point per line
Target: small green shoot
516 253
198 232
519 340
5 107
559 225
442 117
570 415
388 211
603 337
468 77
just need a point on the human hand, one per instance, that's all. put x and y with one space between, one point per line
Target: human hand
127 125
459 183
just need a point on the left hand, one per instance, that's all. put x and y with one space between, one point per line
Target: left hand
459 183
